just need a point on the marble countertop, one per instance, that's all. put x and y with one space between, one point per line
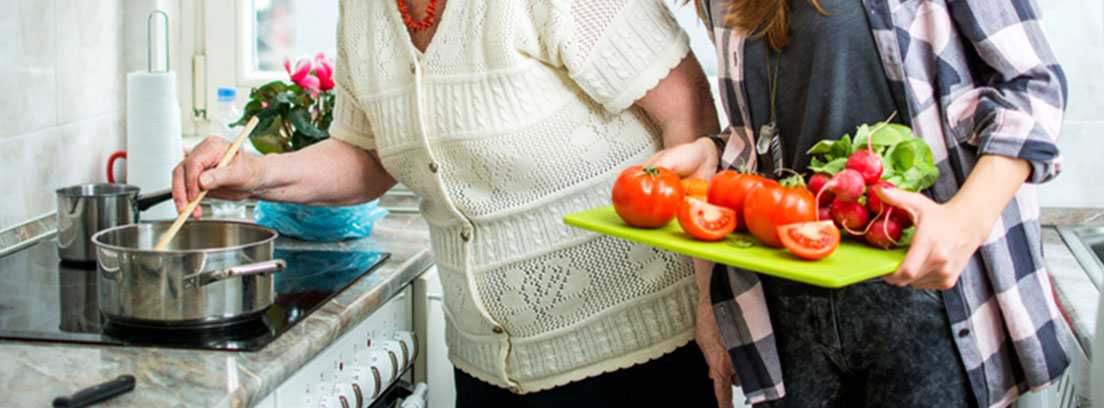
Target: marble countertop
1077 295
32 374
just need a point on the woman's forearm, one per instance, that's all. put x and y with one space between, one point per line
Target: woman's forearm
989 188
330 172
682 104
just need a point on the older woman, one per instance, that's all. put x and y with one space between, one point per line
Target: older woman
504 116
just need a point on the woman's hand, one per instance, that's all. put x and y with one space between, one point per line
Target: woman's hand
948 234
720 366
697 159
239 179
946 237
709 340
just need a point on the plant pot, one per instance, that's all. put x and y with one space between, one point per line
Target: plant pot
320 224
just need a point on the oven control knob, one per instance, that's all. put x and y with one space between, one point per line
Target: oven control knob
401 353
366 380
344 393
330 401
409 342
383 360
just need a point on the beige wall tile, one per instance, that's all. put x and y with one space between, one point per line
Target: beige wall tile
1076 32
90 59
1082 168
84 147
28 67
28 172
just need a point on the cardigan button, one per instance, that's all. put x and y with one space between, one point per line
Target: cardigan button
411 68
433 167
963 332
515 390
497 330
466 236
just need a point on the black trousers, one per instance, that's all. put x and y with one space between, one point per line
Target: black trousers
870 344
678 379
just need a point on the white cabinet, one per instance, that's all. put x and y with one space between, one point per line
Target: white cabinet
433 366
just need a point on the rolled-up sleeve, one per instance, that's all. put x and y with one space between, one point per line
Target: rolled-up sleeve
616 50
1019 112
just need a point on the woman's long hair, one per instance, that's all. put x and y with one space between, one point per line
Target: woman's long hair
756 18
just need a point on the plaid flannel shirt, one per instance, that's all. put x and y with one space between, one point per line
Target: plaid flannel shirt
976 77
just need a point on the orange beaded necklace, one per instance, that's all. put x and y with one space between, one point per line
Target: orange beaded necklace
426 21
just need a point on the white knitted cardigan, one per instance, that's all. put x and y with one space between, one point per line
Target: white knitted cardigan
518 113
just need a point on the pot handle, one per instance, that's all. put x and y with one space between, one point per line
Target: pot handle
258 268
145 201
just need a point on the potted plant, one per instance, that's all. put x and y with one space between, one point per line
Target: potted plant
292 116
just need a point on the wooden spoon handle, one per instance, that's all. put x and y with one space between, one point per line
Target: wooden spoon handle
188 209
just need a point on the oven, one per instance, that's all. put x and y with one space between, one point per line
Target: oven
371 365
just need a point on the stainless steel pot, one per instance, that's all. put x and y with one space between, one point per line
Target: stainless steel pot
214 272
85 209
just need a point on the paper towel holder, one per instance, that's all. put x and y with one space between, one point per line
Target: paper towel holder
149 39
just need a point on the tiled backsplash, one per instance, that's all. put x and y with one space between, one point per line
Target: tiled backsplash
62 99
1076 30
64 64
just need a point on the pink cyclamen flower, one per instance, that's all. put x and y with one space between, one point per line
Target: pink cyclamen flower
323 69
301 71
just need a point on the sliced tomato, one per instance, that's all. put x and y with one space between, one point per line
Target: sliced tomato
704 221
810 240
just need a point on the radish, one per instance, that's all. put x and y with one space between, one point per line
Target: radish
850 215
847 185
816 183
867 163
874 201
824 213
878 207
883 232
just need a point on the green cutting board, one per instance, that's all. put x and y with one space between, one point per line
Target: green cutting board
852 262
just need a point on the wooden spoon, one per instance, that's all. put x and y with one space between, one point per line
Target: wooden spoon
187 211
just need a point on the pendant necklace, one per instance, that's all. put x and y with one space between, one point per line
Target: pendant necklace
769 140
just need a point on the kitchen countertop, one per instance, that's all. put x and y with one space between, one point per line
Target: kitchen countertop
33 373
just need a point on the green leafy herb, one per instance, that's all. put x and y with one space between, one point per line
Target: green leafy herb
906 159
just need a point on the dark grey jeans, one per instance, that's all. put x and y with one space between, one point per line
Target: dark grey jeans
870 344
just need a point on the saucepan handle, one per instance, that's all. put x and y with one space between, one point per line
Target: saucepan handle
258 268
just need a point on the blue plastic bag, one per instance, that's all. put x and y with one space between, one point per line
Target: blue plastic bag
320 224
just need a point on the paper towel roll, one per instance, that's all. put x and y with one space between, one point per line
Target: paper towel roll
154 144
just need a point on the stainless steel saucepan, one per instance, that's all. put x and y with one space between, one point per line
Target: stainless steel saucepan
214 272
85 209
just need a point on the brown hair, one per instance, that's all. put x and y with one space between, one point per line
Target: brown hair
756 18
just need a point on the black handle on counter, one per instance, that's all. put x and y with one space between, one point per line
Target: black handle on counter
97 393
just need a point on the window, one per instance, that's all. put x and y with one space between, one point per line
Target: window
243 44
290 29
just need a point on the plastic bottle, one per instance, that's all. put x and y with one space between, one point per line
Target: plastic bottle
224 113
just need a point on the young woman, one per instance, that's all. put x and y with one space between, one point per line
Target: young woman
968 319
504 116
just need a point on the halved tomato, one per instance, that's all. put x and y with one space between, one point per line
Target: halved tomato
704 221
810 240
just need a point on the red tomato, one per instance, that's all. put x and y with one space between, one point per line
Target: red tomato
647 197
771 205
728 188
810 240
704 221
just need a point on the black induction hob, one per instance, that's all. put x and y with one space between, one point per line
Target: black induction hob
44 299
